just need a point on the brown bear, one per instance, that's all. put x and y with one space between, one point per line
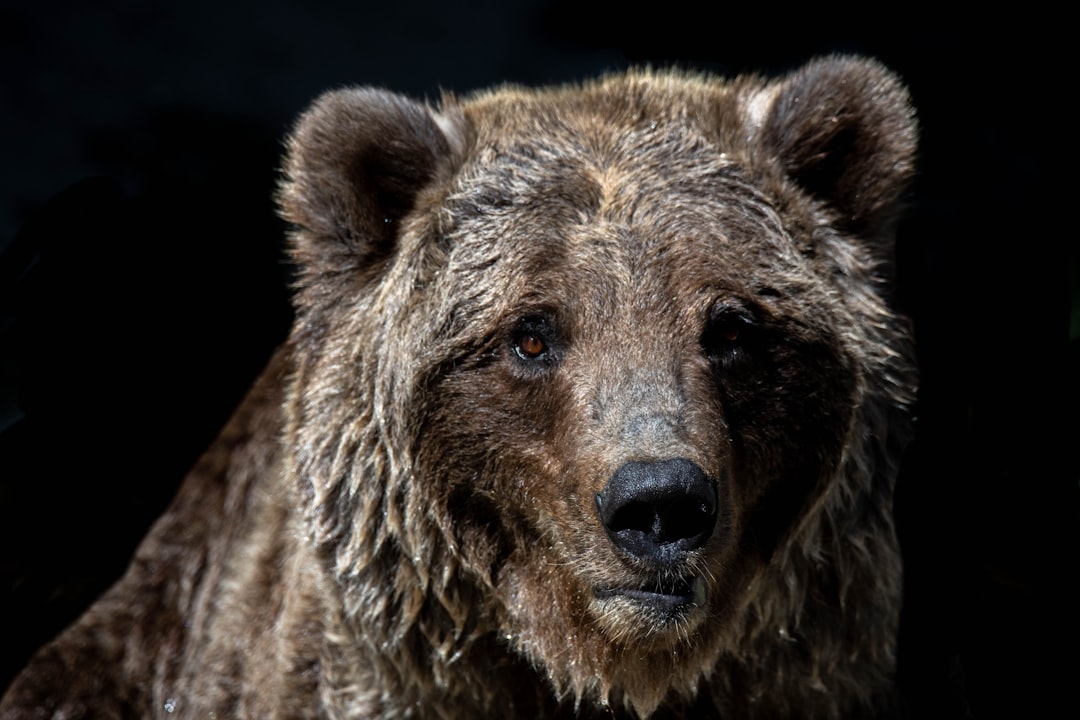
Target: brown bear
593 407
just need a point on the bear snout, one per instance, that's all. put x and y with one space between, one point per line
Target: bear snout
658 511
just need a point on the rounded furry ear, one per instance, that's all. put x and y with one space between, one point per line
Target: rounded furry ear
355 163
845 131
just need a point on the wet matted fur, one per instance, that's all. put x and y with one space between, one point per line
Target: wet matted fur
593 407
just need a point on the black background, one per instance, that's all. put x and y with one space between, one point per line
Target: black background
142 282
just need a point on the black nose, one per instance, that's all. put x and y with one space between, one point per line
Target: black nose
658 510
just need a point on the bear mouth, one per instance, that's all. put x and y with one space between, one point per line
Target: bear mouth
665 599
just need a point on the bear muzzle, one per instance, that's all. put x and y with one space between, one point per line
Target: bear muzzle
658 513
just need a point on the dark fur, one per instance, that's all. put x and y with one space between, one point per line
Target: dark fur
400 521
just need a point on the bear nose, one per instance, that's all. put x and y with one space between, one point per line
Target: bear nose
658 510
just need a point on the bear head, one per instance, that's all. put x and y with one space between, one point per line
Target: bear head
603 382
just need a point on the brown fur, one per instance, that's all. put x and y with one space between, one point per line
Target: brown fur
402 518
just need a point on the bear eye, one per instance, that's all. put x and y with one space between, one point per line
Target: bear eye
530 346
729 332
531 340
726 332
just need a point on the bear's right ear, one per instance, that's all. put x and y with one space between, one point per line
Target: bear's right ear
355 163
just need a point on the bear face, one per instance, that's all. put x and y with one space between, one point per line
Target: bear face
629 389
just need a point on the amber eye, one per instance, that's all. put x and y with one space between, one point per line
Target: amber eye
530 346
729 329
722 337
728 333
532 341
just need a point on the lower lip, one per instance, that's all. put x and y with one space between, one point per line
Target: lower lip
666 602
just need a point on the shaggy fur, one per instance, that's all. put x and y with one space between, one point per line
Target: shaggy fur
521 319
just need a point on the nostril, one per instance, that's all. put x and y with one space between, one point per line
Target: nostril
665 520
658 510
635 516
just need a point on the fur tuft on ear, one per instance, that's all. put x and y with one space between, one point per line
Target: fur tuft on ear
355 163
845 131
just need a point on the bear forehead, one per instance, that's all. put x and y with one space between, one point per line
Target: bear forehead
642 192
639 133
653 158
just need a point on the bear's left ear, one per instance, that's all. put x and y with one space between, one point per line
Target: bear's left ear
355 165
845 131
